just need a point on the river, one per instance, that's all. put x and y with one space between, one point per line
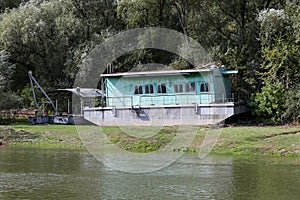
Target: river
40 173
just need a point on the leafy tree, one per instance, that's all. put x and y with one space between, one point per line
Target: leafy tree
9 4
10 100
292 105
269 103
39 37
280 69
6 71
143 13
53 37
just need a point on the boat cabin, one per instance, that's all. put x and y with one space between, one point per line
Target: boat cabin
178 87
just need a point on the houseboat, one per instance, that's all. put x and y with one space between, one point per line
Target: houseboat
194 96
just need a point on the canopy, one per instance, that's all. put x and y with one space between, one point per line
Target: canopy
82 92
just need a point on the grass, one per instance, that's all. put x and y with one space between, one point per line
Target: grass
266 140
57 128
41 135
140 139
260 140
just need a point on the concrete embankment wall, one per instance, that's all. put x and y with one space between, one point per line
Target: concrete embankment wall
162 115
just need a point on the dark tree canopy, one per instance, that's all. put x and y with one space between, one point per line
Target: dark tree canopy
257 37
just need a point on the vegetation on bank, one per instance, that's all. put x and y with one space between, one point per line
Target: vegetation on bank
246 140
40 135
260 39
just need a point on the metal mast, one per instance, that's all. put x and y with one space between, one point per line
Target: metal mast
32 79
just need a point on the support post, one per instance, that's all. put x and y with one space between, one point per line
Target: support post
43 106
68 106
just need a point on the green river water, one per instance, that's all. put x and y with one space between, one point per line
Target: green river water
37 173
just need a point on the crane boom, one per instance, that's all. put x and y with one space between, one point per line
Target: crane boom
32 79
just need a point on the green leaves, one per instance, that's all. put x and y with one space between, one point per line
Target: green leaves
39 36
280 67
269 103
6 70
292 105
10 100
259 38
272 25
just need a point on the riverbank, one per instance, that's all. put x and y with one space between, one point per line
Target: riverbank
244 140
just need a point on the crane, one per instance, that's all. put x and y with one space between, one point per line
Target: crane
41 119
32 79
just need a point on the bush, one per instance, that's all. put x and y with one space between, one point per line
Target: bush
292 105
10 100
268 105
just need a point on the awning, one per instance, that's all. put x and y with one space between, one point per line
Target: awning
82 92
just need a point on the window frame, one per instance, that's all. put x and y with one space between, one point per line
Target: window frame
162 88
204 87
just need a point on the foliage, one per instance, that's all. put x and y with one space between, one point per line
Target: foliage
27 96
269 103
38 36
8 4
292 105
280 68
145 13
6 70
180 64
293 11
53 37
10 100
273 24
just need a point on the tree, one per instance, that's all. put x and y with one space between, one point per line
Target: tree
269 103
10 100
292 105
6 71
8 4
39 37
280 69
145 13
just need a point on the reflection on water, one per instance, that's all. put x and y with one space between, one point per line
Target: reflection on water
35 173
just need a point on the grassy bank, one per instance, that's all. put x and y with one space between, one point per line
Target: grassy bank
40 135
270 140
267 140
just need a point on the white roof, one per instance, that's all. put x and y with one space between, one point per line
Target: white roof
82 92
157 73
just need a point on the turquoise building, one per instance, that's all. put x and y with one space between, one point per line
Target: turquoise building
158 98
178 87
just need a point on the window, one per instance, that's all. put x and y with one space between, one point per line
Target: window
193 87
204 87
161 88
178 88
190 87
187 87
138 89
149 89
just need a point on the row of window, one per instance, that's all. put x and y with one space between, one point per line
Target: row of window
149 89
178 88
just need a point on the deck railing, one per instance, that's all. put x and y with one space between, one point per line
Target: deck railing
169 99
182 99
119 101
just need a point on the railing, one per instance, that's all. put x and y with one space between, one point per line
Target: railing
169 99
181 99
119 101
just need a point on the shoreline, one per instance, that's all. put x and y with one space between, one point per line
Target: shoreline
241 140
